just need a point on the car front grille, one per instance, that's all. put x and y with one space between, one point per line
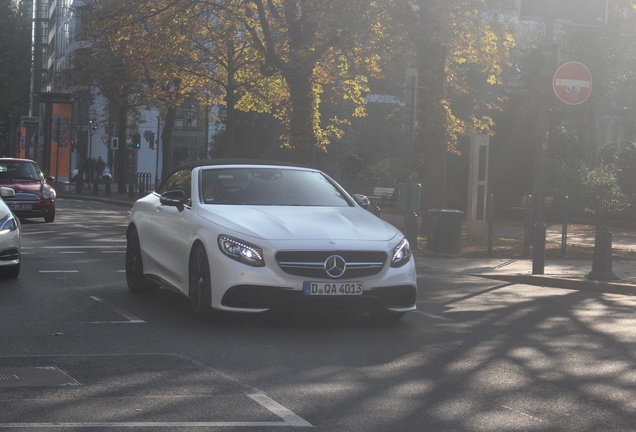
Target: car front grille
24 196
312 264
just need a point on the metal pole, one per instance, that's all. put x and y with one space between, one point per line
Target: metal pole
489 216
157 177
543 139
564 227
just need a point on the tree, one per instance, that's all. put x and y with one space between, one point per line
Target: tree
15 51
459 50
315 46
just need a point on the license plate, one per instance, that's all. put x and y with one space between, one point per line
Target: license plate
332 288
22 207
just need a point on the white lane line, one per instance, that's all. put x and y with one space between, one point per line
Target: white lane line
130 318
288 417
81 247
72 252
113 251
58 271
141 424
430 315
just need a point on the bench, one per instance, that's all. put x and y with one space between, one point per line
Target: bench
382 195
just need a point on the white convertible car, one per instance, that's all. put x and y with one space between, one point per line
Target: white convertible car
253 237
9 237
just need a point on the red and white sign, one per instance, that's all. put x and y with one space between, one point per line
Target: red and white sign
572 83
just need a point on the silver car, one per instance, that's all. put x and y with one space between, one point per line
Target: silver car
9 237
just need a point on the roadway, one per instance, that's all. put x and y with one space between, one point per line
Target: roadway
79 351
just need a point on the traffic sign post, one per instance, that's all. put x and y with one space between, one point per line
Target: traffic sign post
572 83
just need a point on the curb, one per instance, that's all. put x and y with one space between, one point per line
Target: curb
565 283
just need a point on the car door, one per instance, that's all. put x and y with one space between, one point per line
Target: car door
170 235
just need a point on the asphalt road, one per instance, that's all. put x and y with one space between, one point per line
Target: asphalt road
79 352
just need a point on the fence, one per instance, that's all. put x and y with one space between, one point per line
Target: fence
140 184
589 207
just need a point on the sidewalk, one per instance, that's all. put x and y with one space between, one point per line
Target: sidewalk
558 273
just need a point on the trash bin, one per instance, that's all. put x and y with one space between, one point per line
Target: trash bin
444 230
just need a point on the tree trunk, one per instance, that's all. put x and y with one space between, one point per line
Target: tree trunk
431 142
122 151
301 131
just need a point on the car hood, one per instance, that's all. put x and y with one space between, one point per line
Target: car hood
24 186
300 223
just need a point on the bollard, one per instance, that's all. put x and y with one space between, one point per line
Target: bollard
538 253
489 219
564 227
527 226
411 229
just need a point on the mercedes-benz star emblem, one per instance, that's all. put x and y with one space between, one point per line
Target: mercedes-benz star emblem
335 266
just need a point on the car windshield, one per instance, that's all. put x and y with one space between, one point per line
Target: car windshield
269 186
13 171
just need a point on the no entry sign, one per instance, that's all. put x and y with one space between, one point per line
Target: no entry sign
572 83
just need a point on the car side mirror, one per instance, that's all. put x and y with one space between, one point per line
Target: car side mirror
49 179
362 200
175 198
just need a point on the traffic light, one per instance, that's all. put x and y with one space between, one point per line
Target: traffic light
114 143
137 141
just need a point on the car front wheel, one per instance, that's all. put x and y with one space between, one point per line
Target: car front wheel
135 278
50 216
200 287
11 272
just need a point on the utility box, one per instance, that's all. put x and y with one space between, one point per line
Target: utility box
444 230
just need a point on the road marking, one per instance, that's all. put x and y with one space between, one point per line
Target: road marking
113 252
58 271
80 247
288 417
130 318
73 252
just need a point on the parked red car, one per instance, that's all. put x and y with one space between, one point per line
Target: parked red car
34 196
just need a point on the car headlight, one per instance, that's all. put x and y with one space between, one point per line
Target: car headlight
8 224
401 253
47 191
241 251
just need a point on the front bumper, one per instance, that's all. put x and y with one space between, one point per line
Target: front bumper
260 298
